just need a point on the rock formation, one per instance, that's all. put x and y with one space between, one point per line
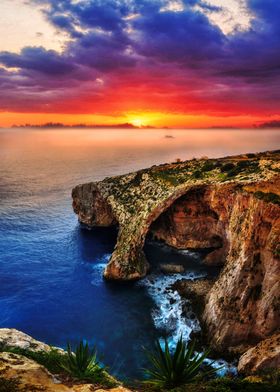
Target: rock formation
264 355
230 205
12 338
28 375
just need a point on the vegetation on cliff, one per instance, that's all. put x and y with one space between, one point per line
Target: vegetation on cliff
80 365
171 369
179 371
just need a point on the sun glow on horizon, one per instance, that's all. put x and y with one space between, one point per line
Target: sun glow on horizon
137 122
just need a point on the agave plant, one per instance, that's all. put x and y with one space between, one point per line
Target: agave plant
170 370
82 363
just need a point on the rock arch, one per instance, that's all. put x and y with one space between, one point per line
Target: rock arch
243 304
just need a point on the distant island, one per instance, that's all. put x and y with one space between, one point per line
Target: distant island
269 124
274 124
51 125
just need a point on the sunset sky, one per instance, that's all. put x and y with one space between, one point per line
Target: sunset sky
192 63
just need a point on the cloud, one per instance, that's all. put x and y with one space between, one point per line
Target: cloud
38 59
150 55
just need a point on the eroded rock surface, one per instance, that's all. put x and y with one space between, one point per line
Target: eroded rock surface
10 337
265 355
231 205
32 376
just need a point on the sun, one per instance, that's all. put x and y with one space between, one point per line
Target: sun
137 122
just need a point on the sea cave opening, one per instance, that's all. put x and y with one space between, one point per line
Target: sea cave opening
189 233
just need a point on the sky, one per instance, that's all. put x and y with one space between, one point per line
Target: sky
175 63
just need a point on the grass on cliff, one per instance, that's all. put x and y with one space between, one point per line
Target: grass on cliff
229 385
81 364
268 197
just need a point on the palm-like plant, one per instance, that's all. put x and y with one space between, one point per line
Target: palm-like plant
170 370
82 363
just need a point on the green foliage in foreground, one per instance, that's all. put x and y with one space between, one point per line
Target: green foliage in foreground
228 385
178 372
49 359
81 364
170 370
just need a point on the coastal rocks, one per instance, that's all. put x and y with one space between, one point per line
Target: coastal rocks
91 207
10 337
30 374
229 205
196 291
265 355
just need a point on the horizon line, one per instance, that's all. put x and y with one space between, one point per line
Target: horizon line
127 125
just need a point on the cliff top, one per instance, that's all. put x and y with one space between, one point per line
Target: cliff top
135 200
140 191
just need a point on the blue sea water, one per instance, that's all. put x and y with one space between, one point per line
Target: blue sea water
51 284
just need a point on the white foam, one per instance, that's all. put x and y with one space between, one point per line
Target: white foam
98 269
168 314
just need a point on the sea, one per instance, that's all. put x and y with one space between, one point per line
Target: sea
51 283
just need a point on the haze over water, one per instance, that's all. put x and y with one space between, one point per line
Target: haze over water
51 270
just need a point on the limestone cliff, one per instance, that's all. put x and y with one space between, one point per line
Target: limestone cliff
230 205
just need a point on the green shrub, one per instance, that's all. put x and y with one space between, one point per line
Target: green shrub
208 166
239 385
197 174
268 197
7 385
170 370
227 166
82 363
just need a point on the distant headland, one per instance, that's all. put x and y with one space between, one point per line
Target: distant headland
274 124
51 125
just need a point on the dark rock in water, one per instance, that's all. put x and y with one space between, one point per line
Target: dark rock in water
172 268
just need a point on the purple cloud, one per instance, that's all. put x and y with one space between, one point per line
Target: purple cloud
113 39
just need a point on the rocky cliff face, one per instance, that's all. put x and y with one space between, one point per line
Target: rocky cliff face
244 303
231 205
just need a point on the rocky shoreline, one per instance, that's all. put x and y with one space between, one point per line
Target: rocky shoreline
230 205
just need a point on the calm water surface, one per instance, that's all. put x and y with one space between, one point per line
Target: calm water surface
51 269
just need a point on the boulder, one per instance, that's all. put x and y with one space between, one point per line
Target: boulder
265 355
